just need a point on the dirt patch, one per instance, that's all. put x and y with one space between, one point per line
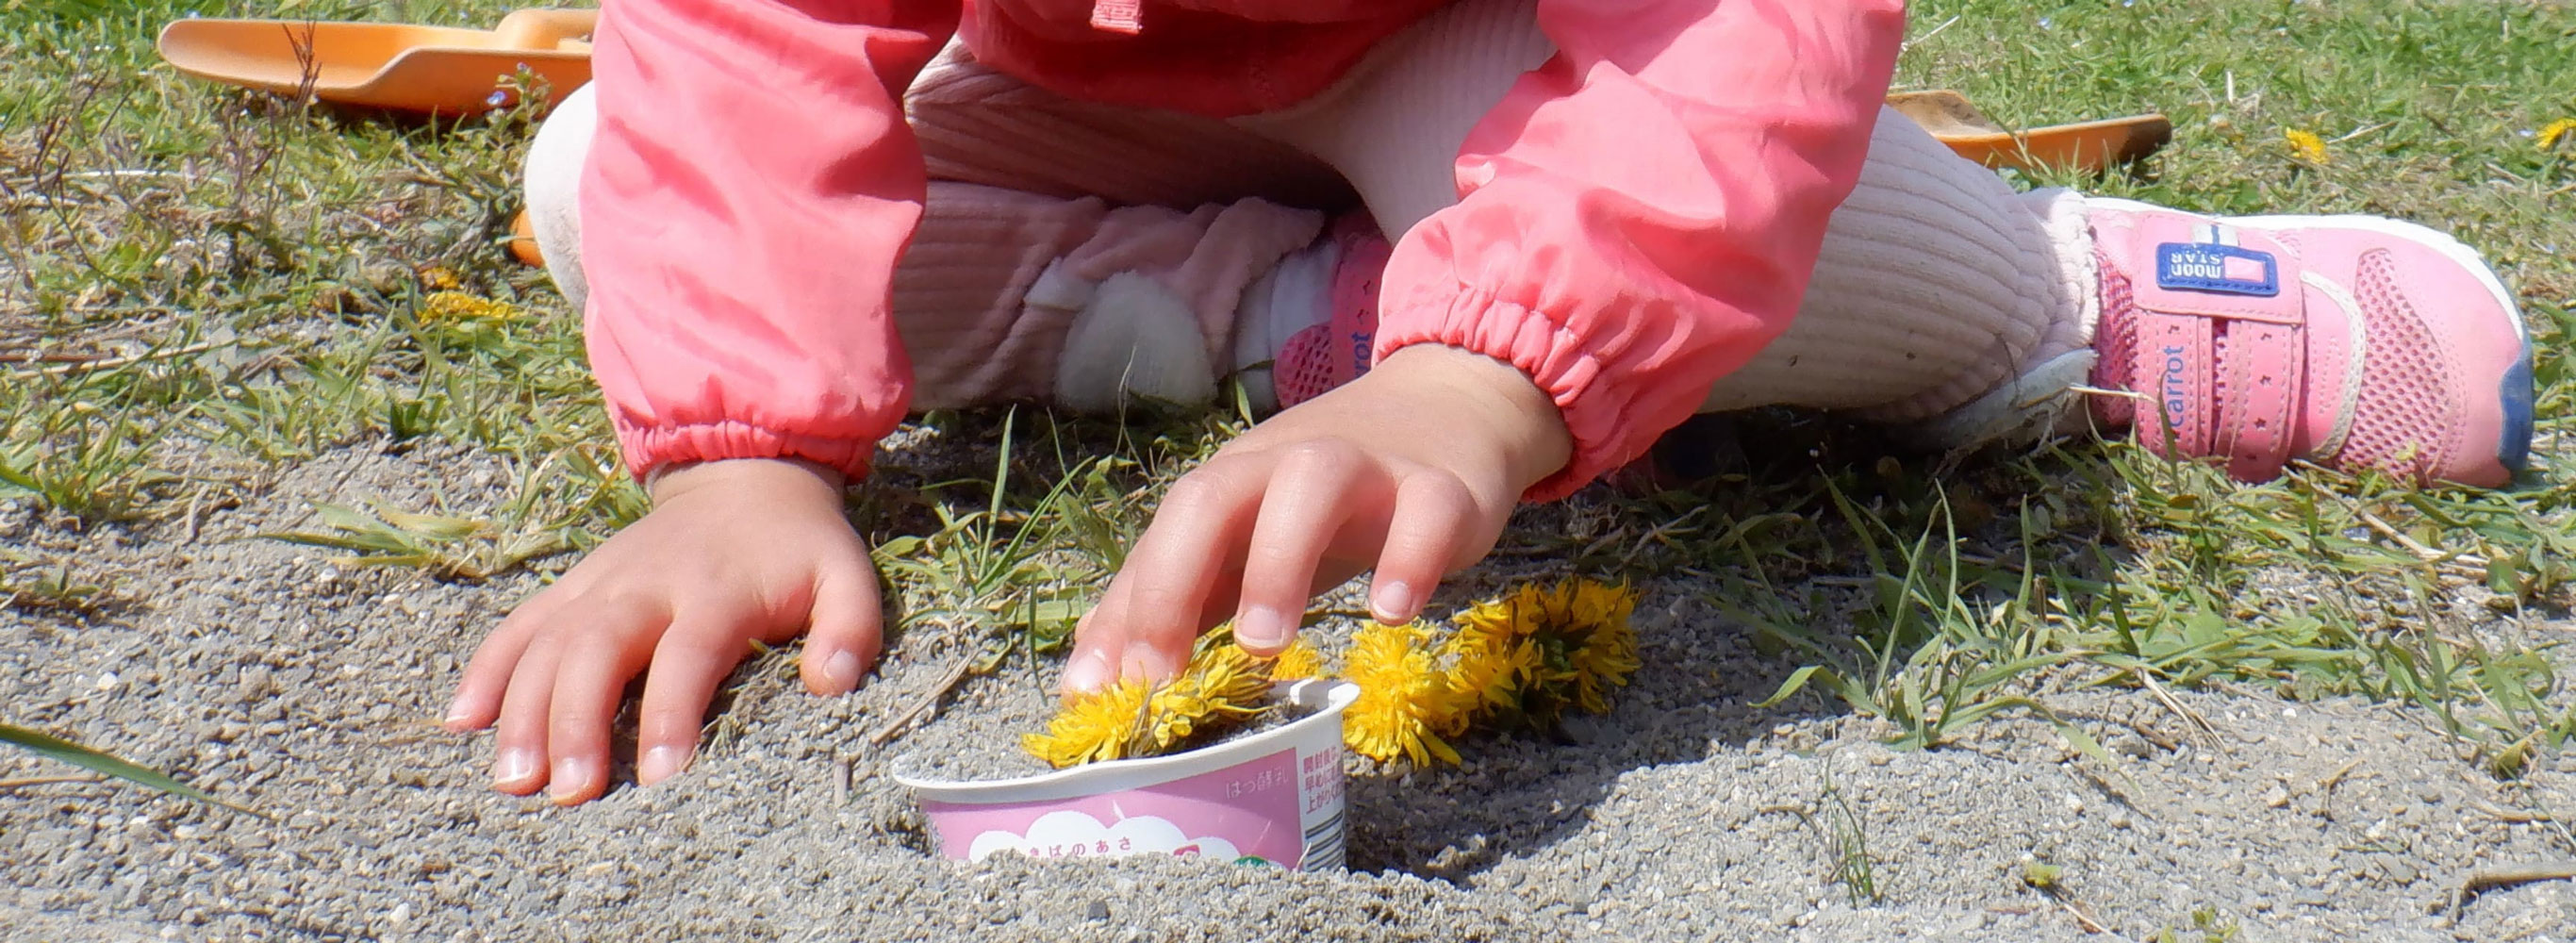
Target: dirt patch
309 690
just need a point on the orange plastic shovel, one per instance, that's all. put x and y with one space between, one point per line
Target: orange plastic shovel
2092 146
388 65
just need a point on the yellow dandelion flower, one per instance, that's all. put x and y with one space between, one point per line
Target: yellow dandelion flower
1225 679
1486 672
1301 660
1530 654
459 306
1517 615
2561 129
2307 146
440 278
1102 725
1221 684
1493 654
1608 652
1404 697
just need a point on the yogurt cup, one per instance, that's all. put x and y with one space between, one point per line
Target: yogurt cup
1274 797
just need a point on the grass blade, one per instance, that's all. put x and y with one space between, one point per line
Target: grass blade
53 747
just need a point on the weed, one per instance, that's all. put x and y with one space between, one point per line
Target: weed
449 547
53 747
1845 838
28 584
1001 565
2207 926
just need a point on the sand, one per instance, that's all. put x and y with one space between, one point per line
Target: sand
308 690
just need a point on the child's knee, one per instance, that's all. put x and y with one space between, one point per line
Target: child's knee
552 181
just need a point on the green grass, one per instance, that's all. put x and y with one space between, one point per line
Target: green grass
204 285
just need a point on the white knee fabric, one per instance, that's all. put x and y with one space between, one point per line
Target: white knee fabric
1943 300
1010 294
553 178
1937 285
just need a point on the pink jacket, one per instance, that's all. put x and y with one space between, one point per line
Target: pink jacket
1636 219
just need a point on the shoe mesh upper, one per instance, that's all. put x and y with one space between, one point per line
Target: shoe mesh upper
2398 424
1305 367
2115 338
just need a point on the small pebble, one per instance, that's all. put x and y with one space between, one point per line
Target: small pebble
2132 745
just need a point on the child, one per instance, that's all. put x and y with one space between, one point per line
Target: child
1598 218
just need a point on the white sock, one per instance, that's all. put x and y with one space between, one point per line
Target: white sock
1134 344
1292 297
1939 289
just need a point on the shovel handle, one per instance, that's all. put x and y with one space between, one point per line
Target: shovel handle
546 29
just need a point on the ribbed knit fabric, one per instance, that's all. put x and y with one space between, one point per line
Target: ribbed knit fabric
995 278
1938 284
976 125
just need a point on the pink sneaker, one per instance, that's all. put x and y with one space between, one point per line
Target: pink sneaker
1337 351
2350 341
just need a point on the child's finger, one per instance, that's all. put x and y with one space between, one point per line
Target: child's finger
519 747
688 663
1094 662
843 640
1426 535
1168 575
487 674
1312 491
594 668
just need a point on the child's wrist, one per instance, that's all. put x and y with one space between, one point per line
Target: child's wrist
1529 429
665 482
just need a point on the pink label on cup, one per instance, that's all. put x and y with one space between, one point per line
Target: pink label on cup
1249 809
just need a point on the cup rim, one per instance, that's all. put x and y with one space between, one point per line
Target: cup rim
1329 697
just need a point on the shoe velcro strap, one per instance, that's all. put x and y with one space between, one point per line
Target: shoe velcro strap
2222 345
2265 365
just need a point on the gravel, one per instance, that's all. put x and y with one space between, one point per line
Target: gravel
309 691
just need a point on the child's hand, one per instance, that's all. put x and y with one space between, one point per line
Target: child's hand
732 551
1413 468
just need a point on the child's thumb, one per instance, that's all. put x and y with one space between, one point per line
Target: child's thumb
846 630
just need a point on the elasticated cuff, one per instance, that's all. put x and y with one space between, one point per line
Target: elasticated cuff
647 448
1552 357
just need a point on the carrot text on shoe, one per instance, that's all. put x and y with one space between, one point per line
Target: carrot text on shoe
2175 399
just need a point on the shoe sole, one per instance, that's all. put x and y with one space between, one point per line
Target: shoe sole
2513 447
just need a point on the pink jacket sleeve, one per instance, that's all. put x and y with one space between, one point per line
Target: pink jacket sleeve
1639 216
749 189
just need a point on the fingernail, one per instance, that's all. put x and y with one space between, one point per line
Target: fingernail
1145 661
661 763
1392 602
571 777
455 717
843 669
1089 673
1263 628
513 767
